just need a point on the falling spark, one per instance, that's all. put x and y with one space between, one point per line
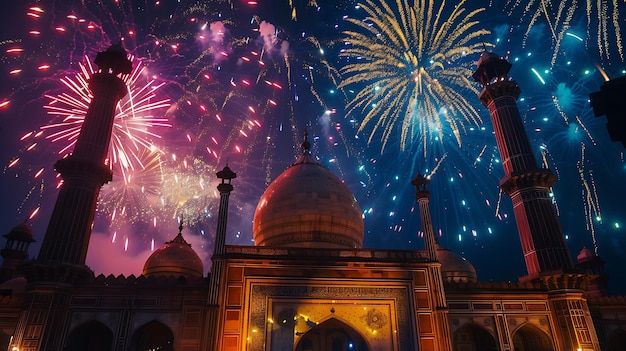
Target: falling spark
409 61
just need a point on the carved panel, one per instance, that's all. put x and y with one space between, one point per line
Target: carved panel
261 294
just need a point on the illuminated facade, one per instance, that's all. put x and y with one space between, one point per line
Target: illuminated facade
309 285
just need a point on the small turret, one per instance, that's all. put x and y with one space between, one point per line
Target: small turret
491 68
16 250
590 263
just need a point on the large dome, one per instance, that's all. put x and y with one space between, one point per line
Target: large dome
175 258
308 206
455 268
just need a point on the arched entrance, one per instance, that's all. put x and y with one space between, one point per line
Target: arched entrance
153 336
472 337
530 338
617 340
91 336
332 335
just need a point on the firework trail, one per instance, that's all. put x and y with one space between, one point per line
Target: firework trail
560 16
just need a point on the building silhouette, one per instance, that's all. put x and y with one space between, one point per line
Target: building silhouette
307 284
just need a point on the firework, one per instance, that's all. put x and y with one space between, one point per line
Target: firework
134 197
133 126
563 124
189 190
560 16
409 64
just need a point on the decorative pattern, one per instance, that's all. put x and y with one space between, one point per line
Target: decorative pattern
260 295
375 319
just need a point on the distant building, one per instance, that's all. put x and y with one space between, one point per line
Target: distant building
307 284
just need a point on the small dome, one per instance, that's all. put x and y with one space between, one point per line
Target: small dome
22 233
175 258
585 255
455 268
308 206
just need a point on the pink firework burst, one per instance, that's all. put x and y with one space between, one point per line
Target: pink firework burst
137 120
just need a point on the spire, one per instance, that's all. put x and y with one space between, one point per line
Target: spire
179 237
306 145
306 156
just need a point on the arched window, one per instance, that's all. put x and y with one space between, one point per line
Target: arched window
153 336
472 337
91 336
530 338
332 335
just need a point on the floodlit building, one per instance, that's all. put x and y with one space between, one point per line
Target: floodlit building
307 284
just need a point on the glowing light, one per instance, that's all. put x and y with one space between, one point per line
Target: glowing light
34 213
574 36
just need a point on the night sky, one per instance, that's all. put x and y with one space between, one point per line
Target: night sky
238 82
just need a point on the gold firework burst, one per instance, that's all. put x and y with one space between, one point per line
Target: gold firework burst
410 63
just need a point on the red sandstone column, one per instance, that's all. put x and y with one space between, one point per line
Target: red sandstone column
216 280
541 236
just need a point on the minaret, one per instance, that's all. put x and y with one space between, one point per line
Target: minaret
440 314
226 175
15 251
61 261
543 243
86 170
422 195
216 293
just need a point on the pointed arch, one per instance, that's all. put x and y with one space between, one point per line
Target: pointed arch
472 337
332 335
153 335
617 340
530 338
90 336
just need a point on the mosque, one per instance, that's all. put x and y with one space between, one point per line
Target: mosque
307 284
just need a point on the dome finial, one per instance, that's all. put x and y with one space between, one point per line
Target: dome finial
306 145
180 227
